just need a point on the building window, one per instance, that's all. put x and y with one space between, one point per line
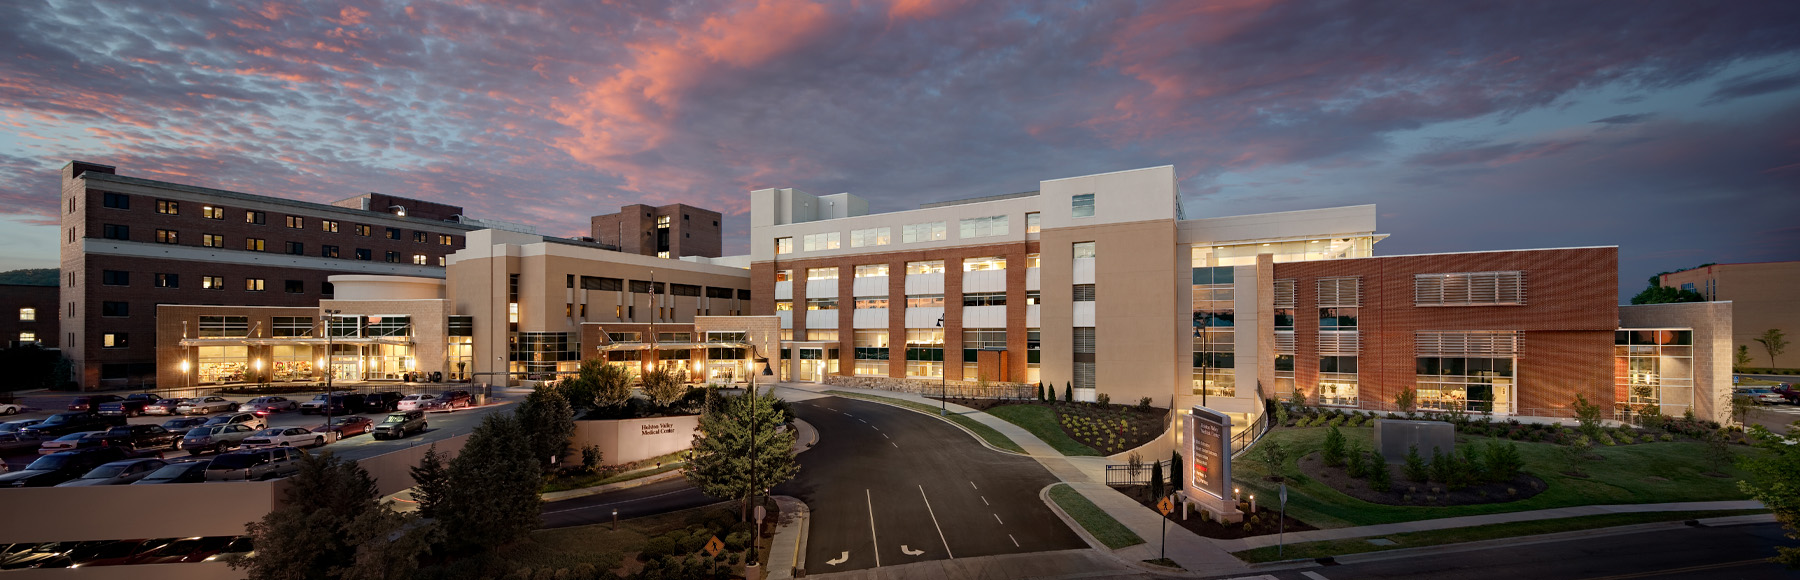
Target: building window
296 222
444 240
328 251
114 232
441 261
1469 289
1032 260
167 207
362 230
1084 293
981 264
253 284
224 327
984 299
821 273
784 305
982 227
212 282
212 212
868 302
926 232
821 304
326 289
784 245
1214 339
1338 380
296 248
924 352
115 278
27 314
115 340
419 237
822 335
1033 297
166 237
1082 249
420 259
364 254
925 267
115 200
393 233
212 240
784 276
1031 223
1654 367
1284 305
982 339
168 280
328 226
291 326
296 286
115 309
254 244
255 217
817 242
924 300
1081 205
26 336
393 257
512 312
871 237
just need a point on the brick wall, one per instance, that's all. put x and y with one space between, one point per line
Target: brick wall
47 316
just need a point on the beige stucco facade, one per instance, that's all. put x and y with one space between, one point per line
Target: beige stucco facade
1762 297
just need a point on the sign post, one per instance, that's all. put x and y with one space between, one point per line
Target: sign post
1209 482
1281 537
1165 507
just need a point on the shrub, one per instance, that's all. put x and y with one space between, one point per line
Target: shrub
1607 439
1415 465
1441 470
657 547
1379 478
1667 437
1504 462
1103 399
1355 463
1144 404
1333 454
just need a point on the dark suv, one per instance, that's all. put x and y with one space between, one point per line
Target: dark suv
141 437
381 402
91 403
399 424
130 406
341 404
62 424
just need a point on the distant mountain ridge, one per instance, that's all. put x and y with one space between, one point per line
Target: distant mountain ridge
31 276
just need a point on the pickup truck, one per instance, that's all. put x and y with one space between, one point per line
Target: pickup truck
62 424
130 406
141 437
1788 392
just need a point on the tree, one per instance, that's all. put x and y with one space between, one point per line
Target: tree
1175 471
1379 477
1588 415
432 480
1742 358
1297 400
1274 455
662 386
1774 342
1741 408
493 487
1415 465
738 452
598 384
1134 465
1333 454
328 527
1575 455
1656 293
548 421
1772 482
1407 401
1068 392
1156 479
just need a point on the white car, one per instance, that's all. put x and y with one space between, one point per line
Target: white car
284 437
205 406
1761 395
418 402
68 442
10 408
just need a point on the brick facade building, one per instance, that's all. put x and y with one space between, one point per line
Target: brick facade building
670 231
29 314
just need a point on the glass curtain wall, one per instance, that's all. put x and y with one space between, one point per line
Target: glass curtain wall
925 352
1215 337
872 353
1466 370
222 364
1655 367
1339 341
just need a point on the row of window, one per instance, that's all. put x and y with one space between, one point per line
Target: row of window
254 217
968 228
161 280
912 301
920 267
120 232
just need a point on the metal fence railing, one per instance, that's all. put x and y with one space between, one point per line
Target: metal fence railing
1243 439
1012 392
1117 475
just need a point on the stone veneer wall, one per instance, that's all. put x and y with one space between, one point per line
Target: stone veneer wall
924 386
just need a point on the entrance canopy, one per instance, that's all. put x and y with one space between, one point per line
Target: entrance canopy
296 341
627 346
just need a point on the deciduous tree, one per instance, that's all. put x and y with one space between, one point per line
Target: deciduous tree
738 452
493 487
548 421
662 386
1774 342
1773 482
331 526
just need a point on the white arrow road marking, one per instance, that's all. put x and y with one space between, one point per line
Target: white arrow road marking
903 550
840 559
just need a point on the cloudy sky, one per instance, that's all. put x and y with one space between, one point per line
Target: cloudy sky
1669 129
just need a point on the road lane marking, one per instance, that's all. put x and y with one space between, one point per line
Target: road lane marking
1015 541
840 559
972 484
872 538
1314 575
997 519
863 421
874 427
884 436
908 552
934 523
896 445
984 501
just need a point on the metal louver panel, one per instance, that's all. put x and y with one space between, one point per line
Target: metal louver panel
1340 292
1469 289
1284 293
1284 342
1499 343
1339 342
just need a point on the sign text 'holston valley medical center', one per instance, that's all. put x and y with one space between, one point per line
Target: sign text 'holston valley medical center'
656 428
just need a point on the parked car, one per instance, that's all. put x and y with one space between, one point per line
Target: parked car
181 425
454 399
183 550
1787 393
255 464
11 438
1761 395
206 406
11 408
41 555
381 402
346 426
217 438
179 471
65 423
417 402
90 403
317 402
162 407
400 424
60 467
141 437
247 419
120 472
268 405
341 404
130 406
284 437
115 553
82 440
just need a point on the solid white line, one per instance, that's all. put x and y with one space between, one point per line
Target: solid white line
934 522
872 539
997 519
1015 541
1314 575
984 501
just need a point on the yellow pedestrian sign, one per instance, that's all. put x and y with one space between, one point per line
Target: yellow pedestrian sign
713 546
1165 506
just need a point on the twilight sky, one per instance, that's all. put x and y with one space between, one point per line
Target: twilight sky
1669 129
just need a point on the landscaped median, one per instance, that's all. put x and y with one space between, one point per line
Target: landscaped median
989 434
654 466
1096 521
1319 549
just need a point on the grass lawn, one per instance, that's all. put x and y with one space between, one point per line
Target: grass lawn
1639 473
1473 534
576 547
1041 421
1095 520
988 433
669 462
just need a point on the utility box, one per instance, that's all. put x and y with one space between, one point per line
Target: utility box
1394 437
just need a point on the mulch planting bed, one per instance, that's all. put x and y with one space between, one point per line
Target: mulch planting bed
1409 492
1106 428
1261 523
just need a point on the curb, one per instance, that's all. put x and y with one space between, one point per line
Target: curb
556 496
803 513
1096 545
803 446
978 437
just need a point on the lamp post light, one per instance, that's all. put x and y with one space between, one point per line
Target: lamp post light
187 381
329 356
943 376
757 537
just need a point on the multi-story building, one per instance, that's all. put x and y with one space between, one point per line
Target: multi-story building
670 231
130 245
1762 298
28 314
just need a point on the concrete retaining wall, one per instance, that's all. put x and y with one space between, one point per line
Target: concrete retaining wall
627 440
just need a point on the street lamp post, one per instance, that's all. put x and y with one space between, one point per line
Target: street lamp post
757 537
943 377
329 315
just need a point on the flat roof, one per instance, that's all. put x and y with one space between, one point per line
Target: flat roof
306 205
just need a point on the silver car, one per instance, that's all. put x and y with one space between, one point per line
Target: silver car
255 464
117 473
70 442
250 419
206 406
217 438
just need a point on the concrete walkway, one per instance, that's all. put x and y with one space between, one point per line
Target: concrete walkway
787 552
1254 542
1088 476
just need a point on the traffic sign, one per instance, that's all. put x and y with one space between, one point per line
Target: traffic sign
1165 506
713 546
1284 494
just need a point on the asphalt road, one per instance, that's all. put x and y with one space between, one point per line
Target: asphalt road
1730 552
655 498
889 486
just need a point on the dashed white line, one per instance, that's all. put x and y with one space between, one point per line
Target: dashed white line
1015 541
972 484
984 501
997 519
862 421
896 445
1314 575
884 435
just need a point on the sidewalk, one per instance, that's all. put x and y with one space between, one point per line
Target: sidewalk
1254 542
1088 476
788 551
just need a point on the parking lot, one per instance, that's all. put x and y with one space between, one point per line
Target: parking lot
441 423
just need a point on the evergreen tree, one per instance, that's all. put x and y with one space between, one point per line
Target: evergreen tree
738 435
1772 482
1441 470
331 526
432 480
1379 478
1068 392
1175 471
548 421
1415 465
493 487
1334 451
1156 479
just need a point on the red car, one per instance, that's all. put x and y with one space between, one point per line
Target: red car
347 426
91 403
1788 392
